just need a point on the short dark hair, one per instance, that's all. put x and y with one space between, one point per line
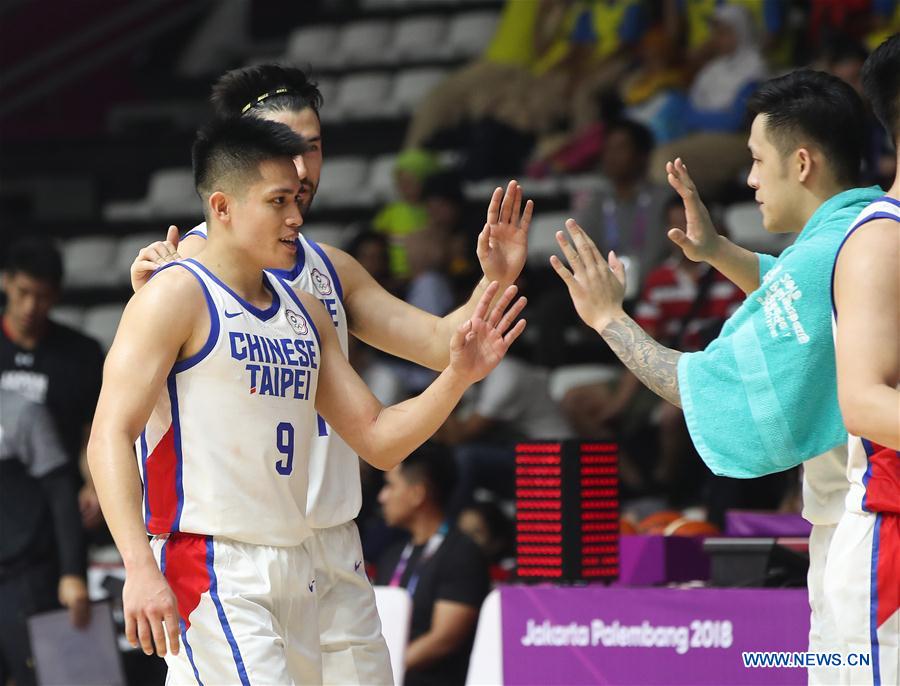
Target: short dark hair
641 137
881 84
264 88
433 465
809 106
37 257
227 153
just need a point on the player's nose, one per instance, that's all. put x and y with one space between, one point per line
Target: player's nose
300 165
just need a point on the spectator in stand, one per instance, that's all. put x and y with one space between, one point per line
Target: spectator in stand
407 215
694 19
372 251
844 58
444 571
684 304
48 363
713 115
42 550
641 95
625 213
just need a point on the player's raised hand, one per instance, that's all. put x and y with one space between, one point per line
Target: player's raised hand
503 242
699 240
151 610
597 288
155 255
480 343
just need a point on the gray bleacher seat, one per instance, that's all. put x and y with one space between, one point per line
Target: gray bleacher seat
88 262
418 38
328 88
329 234
360 96
362 43
343 183
469 34
411 86
101 322
381 178
311 45
69 315
170 194
745 227
128 248
542 237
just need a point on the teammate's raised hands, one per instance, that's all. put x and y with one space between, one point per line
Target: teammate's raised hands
152 257
480 343
597 288
503 242
699 240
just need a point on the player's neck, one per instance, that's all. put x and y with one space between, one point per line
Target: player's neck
425 525
894 191
231 267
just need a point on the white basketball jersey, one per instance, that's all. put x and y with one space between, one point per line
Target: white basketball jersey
226 449
335 491
873 470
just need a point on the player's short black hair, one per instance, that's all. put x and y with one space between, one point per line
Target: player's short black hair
433 465
227 153
37 257
881 84
812 107
264 88
641 137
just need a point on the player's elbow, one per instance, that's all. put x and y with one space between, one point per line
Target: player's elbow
385 459
855 412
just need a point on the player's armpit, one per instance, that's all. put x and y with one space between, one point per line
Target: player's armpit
384 321
867 298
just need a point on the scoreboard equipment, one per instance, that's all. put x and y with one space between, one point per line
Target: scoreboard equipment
567 511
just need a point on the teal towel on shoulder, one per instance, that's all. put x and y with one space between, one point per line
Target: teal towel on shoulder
762 397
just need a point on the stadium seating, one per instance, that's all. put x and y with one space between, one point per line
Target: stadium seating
418 38
469 34
170 194
744 224
361 43
343 183
411 86
89 262
101 322
360 96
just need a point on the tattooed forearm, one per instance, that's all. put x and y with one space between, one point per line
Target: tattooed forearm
653 364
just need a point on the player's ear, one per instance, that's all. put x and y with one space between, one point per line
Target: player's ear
803 162
219 206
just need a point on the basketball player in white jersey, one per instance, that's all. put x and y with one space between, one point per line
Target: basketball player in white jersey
353 649
862 578
216 374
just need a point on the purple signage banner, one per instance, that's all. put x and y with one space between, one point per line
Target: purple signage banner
599 635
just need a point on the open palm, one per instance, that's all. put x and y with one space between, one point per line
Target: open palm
698 240
480 343
503 242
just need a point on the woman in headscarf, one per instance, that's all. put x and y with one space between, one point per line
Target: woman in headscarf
719 93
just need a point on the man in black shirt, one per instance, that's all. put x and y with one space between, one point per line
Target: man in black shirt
444 570
48 363
42 560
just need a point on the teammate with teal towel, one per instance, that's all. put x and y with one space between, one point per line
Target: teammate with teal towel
762 397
